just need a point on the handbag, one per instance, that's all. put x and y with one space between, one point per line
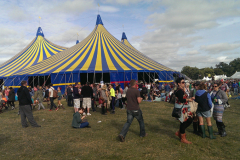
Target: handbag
100 101
177 112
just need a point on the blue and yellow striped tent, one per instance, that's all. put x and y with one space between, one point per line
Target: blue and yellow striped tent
100 52
37 51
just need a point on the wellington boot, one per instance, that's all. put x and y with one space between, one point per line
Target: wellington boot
223 133
195 128
219 129
184 140
199 129
178 134
210 131
203 131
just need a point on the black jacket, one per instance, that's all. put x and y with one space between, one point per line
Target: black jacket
87 92
11 96
24 97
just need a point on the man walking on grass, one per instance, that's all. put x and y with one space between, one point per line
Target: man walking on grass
133 111
51 90
25 107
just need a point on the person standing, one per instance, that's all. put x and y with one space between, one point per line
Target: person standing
235 87
133 111
87 94
70 95
25 108
219 98
40 98
204 109
11 98
112 94
51 90
186 115
60 97
76 97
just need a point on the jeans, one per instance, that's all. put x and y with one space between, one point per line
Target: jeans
112 103
84 124
70 100
235 91
52 104
93 102
130 116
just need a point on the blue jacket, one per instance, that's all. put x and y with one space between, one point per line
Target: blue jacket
235 85
204 100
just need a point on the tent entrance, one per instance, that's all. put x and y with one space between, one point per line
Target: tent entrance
94 77
34 81
147 77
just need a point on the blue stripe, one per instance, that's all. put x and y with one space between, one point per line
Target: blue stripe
92 65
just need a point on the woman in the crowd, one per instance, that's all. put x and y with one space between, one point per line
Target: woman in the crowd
112 94
104 96
187 90
11 98
219 98
60 97
47 95
204 109
40 98
6 92
186 116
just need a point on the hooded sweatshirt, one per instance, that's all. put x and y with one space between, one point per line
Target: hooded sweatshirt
76 122
24 97
204 101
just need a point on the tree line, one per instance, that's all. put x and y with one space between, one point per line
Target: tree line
220 69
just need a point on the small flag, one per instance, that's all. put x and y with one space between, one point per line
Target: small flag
98 5
39 17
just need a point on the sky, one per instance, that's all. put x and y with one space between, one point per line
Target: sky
199 33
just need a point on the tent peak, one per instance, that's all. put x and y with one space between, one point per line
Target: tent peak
124 36
99 20
39 32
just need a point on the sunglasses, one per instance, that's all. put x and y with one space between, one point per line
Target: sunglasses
215 86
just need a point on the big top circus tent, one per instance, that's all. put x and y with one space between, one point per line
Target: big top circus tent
99 56
38 50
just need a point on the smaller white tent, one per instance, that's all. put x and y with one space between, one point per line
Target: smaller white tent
236 75
207 79
219 77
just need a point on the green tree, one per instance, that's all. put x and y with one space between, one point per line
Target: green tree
192 72
218 71
227 69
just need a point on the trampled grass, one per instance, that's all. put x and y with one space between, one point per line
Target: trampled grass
56 139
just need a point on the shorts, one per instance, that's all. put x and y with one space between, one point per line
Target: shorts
59 98
76 103
87 103
205 114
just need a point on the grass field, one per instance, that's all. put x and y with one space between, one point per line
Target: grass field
56 139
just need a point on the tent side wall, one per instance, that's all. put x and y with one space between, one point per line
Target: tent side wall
14 82
63 80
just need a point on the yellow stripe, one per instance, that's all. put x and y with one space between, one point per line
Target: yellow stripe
41 53
23 61
90 57
166 81
107 57
63 84
121 64
98 66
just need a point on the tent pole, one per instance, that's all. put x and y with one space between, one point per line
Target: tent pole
33 80
87 77
44 80
72 77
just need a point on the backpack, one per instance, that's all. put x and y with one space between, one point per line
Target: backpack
55 93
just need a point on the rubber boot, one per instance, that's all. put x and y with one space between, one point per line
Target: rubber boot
178 134
224 133
184 140
219 129
199 130
210 131
195 128
103 110
203 131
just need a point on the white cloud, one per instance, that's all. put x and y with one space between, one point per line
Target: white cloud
220 47
109 9
192 52
122 2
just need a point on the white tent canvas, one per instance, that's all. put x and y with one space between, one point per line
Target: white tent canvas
236 75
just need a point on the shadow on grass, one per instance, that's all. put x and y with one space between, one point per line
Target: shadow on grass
4 139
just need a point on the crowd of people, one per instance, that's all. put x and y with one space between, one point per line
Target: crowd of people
197 100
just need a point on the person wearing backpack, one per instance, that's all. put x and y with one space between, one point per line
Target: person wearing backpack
51 96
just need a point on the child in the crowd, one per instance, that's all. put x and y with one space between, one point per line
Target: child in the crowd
59 98
78 120
40 98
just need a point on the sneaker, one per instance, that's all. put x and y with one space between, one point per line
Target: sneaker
57 109
84 113
122 139
88 114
